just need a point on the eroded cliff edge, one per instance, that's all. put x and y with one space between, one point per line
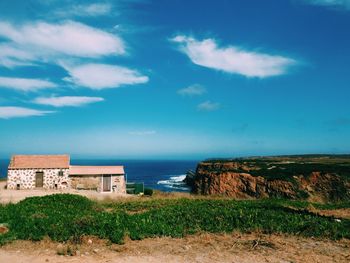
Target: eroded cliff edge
315 178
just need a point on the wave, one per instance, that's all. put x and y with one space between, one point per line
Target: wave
175 182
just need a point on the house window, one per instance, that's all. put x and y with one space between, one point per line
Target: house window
60 173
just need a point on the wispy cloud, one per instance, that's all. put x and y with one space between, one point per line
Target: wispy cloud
193 90
11 56
90 10
333 3
140 133
103 76
59 44
232 59
18 112
64 101
68 38
208 106
24 84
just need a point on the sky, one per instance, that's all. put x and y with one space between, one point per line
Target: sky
147 79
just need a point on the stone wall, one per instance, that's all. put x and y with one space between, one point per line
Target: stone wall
26 178
92 182
119 184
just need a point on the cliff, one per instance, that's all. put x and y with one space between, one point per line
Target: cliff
316 178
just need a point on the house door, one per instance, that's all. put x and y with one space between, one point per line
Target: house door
107 183
39 179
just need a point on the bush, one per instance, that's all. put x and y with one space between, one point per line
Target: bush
148 191
65 217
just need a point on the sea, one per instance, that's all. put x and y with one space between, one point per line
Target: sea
164 175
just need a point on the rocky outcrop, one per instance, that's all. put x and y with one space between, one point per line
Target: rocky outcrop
325 186
238 180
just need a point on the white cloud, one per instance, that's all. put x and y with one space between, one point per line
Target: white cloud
335 3
102 76
232 59
208 106
73 101
17 112
193 90
95 9
24 84
12 56
68 38
140 133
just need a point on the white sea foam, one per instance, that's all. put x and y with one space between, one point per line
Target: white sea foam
175 182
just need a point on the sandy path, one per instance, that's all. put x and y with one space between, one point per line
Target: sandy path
198 248
14 196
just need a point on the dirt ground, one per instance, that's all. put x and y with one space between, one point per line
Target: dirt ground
14 196
338 213
198 248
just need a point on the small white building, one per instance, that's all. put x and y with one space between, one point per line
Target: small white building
55 172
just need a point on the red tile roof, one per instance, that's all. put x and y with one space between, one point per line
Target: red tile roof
95 170
39 161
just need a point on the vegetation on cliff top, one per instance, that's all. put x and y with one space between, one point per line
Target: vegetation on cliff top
285 167
65 217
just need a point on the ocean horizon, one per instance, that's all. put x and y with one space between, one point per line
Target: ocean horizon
164 175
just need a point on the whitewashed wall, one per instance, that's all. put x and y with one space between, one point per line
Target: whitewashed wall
26 178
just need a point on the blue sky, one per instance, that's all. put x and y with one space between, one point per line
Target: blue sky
174 79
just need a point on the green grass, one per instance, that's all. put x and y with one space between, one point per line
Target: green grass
64 217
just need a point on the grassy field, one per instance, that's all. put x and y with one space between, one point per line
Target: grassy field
65 217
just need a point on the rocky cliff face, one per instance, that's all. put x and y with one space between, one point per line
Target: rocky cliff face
247 180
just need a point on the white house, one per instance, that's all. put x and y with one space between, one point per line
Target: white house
55 172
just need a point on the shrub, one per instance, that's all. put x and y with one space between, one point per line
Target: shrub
148 191
65 217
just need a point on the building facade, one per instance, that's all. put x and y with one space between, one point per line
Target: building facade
100 178
55 172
